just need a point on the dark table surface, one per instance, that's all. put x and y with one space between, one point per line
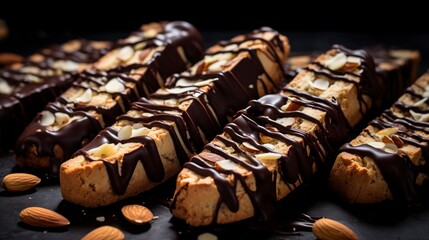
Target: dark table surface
369 222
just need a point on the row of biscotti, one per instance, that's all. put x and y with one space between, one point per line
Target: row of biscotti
389 159
25 88
136 67
149 144
277 143
397 69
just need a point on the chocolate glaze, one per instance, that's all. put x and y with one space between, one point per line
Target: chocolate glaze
397 169
296 166
259 118
219 96
171 38
34 90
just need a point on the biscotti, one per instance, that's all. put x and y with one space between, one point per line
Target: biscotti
397 69
149 144
135 67
25 88
277 143
388 160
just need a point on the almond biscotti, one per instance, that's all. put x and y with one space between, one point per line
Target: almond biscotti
137 66
388 160
25 88
277 143
150 143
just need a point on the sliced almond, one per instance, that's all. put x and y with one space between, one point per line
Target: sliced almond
114 86
85 97
180 90
104 233
337 61
351 64
150 33
268 156
327 229
107 149
205 82
16 182
47 118
226 164
230 47
125 133
207 236
5 88
379 145
249 147
290 106
421 102
42 217
217 66
125 53
415 115
140 132
320 84
70 66
269 146
390 148
387 131
137 214
287 121
386 139
147 114
61 119
397 141
211 157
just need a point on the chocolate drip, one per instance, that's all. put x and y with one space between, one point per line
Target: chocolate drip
397 169
296 166
173 36
147 155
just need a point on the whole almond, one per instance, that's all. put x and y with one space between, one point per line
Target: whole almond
104 233
16 182
42 217
325 229
137 214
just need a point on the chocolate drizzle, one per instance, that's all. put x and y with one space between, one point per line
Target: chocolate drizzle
138 80
198 114
295 166
397 170
367 83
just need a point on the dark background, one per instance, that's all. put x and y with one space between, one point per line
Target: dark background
35 24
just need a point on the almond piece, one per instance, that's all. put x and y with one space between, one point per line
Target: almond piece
387 131
85 97
125 53
47 119
137 214
268 156
61 118
42 217
249 147
16 182
386 139
286 122
211 157
226 164
125 133
104 233
397 141
320 84
114 86
325 229
207 236
337 61
379 145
